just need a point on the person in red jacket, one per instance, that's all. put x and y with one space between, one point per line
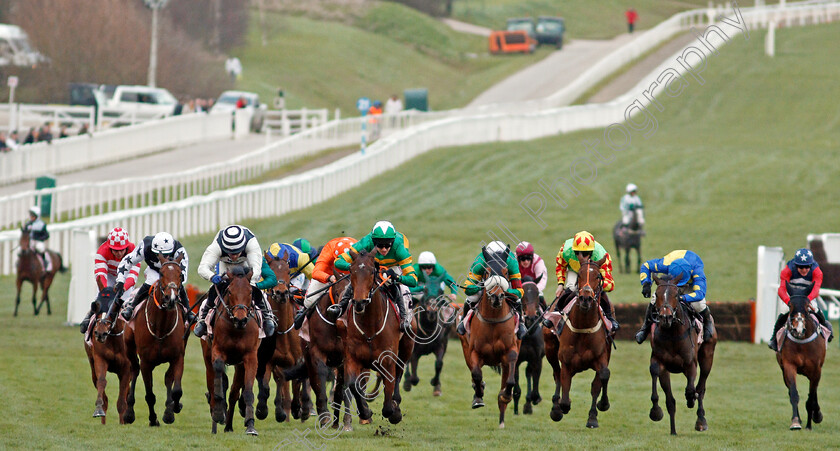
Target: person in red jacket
631 16
106 261
801 276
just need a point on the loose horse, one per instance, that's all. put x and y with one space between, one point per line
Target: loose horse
281 351
432 334
235 340
30 269
626 239
803 352
107 352
372 338
492 339
582 345
532 349
674 349
156 336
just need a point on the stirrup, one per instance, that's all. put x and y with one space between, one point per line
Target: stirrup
127 312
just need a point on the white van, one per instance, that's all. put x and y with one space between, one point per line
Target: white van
141 102
15 49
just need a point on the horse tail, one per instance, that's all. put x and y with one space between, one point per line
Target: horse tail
297 372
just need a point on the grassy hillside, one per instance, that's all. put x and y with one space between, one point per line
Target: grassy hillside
388 49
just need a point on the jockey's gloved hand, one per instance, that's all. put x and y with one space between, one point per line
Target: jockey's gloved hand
119 289
646 290
394 274
217 279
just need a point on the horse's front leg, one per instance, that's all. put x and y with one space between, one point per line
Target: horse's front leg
439 353
18 285
789 375
250 364
517 390
655 411
704 358
264 385
475 363
812 405
352 373
283 398
535 380
560 401
219 386
234 396
670 401
690 391
594 391
134 363
35 309
505 393
173 389
604 376
390 407
125 385
146 370
101 372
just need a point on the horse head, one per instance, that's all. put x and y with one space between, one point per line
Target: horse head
531 300
169 285
24 242
590 283
432 300
280 293
238 297
799 323
666 301
363 270
100 307
496 281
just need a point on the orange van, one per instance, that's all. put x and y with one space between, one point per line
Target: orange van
511 42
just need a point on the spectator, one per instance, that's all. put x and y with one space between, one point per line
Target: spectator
46 134
83 129
189 107
374 116
12 140
3 146
32 137
631 15
63 132
234 68
241 103
392 107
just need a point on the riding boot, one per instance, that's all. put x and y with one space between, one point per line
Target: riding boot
269 322
301 315
86 322
128 309
562 300
404 325
521 330
825 323
606 306
708 326
642 334
780 322
200 326
462 327
336 310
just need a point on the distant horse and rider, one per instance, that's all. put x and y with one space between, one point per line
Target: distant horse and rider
629 230
31 267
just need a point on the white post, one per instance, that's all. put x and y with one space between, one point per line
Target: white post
284 119
82 287
12 83
302 120
770 39
153 50
770 262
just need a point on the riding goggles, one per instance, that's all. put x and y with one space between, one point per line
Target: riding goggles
383 243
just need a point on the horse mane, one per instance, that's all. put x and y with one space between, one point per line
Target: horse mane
527 279
238 271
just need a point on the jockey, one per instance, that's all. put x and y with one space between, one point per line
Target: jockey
631 202
323 274
148 250
234 245
304 245
427 268
533 266
686 270
390 249
107 259
499 252
300 264
38 236
801 276
580 249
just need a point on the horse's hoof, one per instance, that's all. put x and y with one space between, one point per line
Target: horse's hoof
168 417
556 415
818 417
98 412
437 391
251 431
701 426
592 423
477 402
536 399
502 425
177 407
527 410
228 428
565 408
795 425
689 402
219 417
347 428
656 413
395 417
407 386
603 405
129 417
261 412
365 421
154 423
415 380
280 415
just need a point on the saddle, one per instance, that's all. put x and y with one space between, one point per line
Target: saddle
557 317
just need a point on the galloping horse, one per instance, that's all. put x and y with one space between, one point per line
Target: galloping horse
803 352
107 352
30 269
432 334
372 338
582 345
532 349
492 339
281 351
156 336
235 341
674 349
626 239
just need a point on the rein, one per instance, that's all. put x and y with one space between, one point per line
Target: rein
597 297
387 309
177 319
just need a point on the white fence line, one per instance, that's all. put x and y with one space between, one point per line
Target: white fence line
22 116
289 122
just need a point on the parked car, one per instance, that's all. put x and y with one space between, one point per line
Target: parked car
511 42
15 48
141 102
525 24
550 31
228 100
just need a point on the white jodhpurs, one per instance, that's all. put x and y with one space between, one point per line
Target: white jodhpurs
310 298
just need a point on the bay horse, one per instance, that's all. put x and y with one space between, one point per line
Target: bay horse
372 339
155 336
803 352
30 269
433 325
582 345
107 352
281 351
627 239
492 339
674 349
235 340
532 349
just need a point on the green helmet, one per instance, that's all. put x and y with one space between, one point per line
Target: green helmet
383 230
302 244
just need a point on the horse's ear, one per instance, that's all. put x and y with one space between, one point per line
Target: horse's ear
94 307
601 261
180 257
161 258
268 257
353 254
657 280
537 280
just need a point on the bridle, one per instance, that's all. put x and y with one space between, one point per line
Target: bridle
801 316
540 310
669 310
587 285
103 319
363 303
231 310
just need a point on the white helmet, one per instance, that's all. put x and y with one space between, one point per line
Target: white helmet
495 247
35 210
631 187
163 243
426 258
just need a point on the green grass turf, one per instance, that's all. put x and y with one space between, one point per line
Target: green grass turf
389 49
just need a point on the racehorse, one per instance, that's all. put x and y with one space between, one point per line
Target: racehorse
107 352
674 349
582 345
156 336
434 321
492 339
532 349
372 338
235 340
280 351
30 269
803 352
626 239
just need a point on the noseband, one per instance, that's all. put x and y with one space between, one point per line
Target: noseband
599 281
670 311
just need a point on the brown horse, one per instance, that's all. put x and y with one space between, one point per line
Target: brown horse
674 350
235 340
107 352
281 351
30 269
492 339
532 349
582 345
627 239
156 336
372 338
803 352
